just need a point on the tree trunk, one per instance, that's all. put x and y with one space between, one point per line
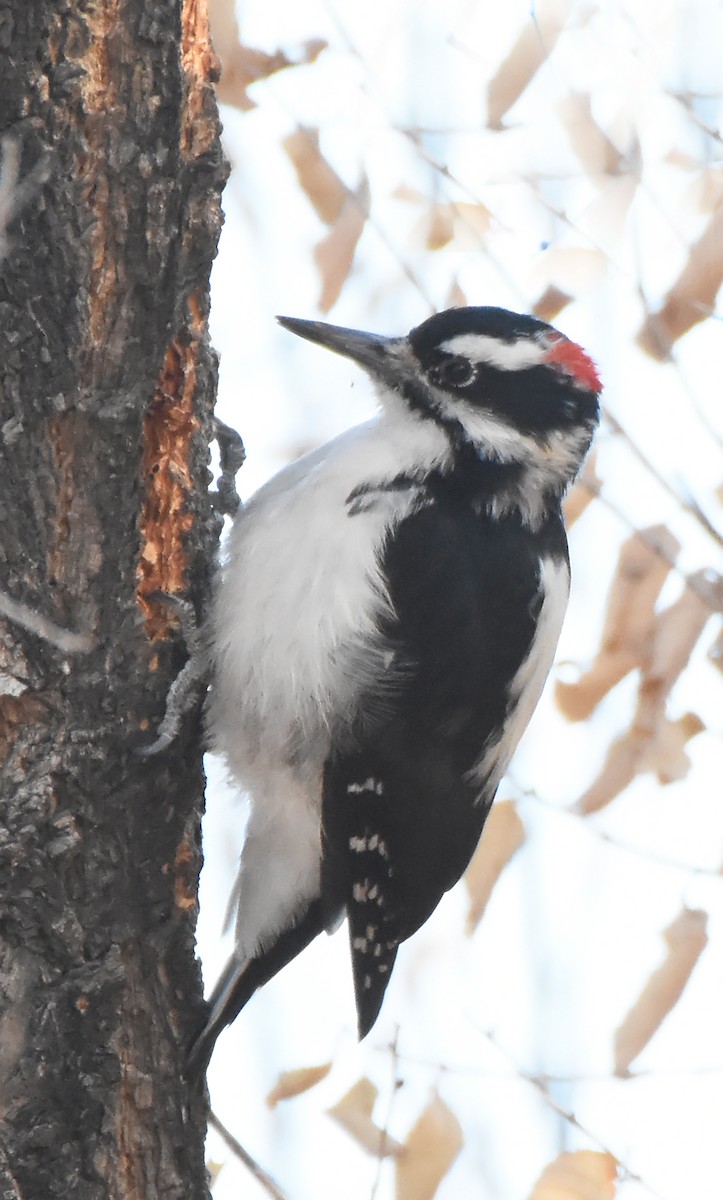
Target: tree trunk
106 392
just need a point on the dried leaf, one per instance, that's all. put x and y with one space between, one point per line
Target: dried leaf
213 1170
455 297
686 940
354 1113
503 835
681 158
604 220
439 226
692 296
244 65
323 187
677 630
667 755
706 191
715 654
536 41
466 224
584 491
334 255
409 194
629 622
592 146
429 1150
294 1083
551 303
656 744
578 1175
570 268
623 762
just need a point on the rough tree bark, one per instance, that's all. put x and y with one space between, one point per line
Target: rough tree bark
106 390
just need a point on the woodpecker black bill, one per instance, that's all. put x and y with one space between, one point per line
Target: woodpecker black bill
382 631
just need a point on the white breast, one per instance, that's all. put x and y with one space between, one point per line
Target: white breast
295 622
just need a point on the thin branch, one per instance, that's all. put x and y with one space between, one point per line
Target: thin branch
606 1077
396 1084
705 590
35 622
660 479
262 1177
538 1082
660 860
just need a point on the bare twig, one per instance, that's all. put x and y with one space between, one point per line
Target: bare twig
706 589
396 1084
538 1082
660 860
260 1175
35 622
660 479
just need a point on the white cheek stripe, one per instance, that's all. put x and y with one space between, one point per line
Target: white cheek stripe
506 356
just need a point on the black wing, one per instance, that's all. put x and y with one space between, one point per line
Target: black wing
401 817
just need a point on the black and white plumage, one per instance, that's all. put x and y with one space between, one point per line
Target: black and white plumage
382 632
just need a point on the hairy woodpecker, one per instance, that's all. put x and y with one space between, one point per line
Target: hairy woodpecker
382 632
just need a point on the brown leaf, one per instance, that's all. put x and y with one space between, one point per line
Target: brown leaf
439 226
551 303
323 187
570 268
692 296
715 654
686 940
591 144
706 190
294 1083
677 630
466 224
354 1113
578 1175
243 65
455 297
334 255
535 43
503 835
629 622
667 756
429 1151
584 491
605 219
654 742
623 762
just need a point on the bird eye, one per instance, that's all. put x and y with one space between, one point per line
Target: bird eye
454 372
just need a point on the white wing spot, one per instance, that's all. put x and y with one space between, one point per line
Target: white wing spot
369 785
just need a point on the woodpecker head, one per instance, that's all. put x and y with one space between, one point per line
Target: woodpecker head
512 387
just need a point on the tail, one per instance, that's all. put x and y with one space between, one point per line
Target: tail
240 979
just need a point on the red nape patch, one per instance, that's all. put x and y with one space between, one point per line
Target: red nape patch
573 359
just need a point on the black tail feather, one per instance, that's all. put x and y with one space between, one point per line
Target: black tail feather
239 980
